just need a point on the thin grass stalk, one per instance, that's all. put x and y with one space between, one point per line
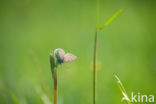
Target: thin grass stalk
54 65
55 88
95 43
54 76
94 68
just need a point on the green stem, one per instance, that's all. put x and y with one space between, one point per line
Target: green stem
94 68
55 83
55 88
54 75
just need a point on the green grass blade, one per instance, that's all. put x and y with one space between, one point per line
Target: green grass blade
122 89
43 95
13 97
110 19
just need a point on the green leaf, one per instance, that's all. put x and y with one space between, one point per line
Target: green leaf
110 19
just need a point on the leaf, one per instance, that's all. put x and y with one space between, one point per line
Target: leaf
110 19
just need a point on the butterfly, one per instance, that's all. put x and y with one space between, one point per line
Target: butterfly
64 57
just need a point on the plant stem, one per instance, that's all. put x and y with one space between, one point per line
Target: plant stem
54 75
55 87
94 68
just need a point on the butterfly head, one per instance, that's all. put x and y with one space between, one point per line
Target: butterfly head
59 54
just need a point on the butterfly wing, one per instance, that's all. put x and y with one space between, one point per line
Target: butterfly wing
60 53
69 57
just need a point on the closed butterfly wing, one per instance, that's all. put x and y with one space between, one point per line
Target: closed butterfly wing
69 57
60 53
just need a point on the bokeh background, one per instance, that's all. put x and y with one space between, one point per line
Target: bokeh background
30 29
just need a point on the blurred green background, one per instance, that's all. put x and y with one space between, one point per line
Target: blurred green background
30 29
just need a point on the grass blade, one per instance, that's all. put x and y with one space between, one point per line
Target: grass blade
122 89
43 95
13 97
110 19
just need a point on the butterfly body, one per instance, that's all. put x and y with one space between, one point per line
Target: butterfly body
60 61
